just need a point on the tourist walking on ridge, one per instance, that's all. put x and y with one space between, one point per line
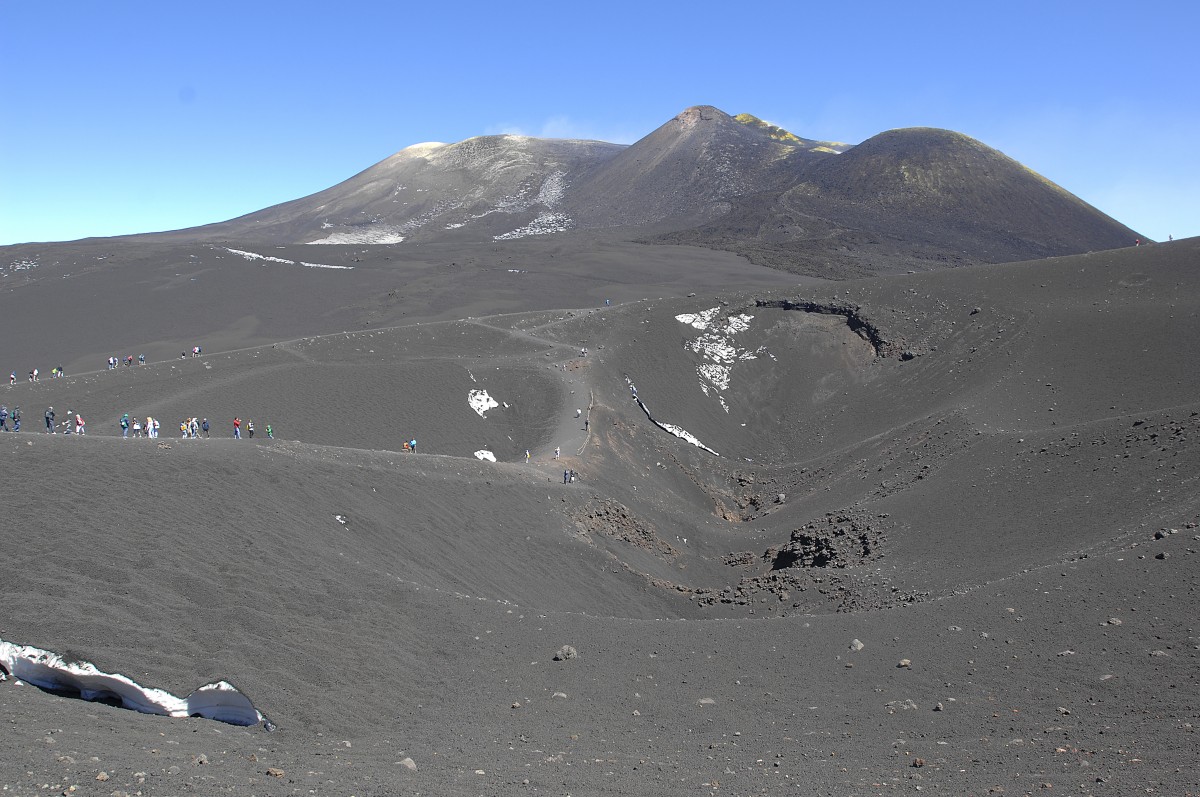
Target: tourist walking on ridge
69 422
412 445
250 429
270 434
204 426
16 419
79 425
557 451
141 359
137 428
125 426
237 428
12 378
527 456
3 417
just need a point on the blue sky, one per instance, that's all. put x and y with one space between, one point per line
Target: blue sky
128 117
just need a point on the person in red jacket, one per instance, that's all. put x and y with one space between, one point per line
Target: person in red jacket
237 428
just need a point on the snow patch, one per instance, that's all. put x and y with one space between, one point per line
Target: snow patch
716 349
484 454
219 701
554 187
544 224
17 265
481 402
698 320
375 234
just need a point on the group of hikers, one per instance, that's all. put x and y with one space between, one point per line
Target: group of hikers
35 375
188 428
127 361
112 364
237 429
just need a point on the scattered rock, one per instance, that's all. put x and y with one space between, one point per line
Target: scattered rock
275 772
904 664
918 762
706 701
856 645
516 704
559 695
1114 621
1163 555
409 764
938 707
199 760
566 652
103 776
1064 711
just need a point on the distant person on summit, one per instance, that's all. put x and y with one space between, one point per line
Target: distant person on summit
204 426
3 417
12 378
237 428
16 419
50 420
250 429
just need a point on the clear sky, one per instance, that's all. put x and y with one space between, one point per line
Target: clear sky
127 117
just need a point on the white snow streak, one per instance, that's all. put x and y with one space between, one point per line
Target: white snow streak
218 701
270 259
484 454
684 434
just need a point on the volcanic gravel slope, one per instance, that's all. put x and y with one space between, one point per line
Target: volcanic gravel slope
947 539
